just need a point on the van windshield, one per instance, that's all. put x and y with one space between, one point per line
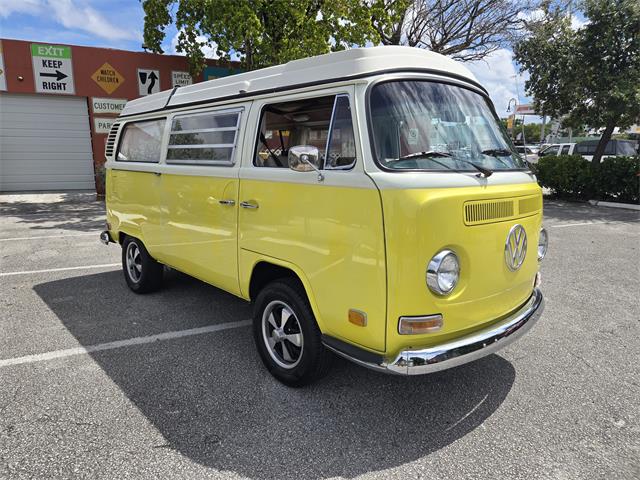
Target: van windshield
424 125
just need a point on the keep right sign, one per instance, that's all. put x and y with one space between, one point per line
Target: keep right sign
52 68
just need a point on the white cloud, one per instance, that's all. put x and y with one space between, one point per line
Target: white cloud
83 17
577 23
538 15
499 76
73 15
210 51
8 7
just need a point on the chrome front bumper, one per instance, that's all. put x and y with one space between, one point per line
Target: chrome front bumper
105 237
465 349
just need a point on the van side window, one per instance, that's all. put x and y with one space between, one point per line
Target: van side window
565 150
203 139
140 141
342 143
306 122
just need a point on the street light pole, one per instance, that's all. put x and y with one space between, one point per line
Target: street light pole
524 140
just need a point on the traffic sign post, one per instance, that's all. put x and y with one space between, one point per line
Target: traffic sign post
108 78
102 124
181 79
108 105
148 81
52 69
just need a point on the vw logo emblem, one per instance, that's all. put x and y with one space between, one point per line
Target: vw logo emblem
516 247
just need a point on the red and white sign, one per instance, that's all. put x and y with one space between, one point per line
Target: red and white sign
526 109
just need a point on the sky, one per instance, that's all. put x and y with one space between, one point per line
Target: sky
119 23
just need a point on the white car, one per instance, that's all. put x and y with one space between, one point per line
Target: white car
587 149
529 152
557 149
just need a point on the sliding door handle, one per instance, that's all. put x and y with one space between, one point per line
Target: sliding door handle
251 204
231 203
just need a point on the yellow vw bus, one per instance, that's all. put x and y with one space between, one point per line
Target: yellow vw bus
367 202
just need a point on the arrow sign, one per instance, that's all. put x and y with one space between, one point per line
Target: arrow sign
52 68
153 79
58 75
148 81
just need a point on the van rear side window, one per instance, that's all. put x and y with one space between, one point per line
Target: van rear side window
204 139
140 141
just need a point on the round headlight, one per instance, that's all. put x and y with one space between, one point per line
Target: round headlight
543 243
443 272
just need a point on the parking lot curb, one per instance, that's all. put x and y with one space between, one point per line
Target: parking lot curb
627 206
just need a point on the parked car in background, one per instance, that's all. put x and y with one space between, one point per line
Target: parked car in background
614 148
557 149
587 149
529 152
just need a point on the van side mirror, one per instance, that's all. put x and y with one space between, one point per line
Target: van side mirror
305 158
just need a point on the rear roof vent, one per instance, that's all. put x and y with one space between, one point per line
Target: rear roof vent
111 140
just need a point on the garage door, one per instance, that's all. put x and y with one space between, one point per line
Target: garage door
45 143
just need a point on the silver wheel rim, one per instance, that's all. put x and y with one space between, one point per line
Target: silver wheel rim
282 334
134 262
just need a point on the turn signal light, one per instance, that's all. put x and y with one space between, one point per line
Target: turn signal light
358 318
418 325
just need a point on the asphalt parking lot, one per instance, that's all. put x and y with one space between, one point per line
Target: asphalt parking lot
182 392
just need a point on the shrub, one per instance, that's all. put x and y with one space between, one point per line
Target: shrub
567 176
571 176
619 179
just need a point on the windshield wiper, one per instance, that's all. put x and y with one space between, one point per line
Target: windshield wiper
427 154
432 153
497 153
501 152
483 170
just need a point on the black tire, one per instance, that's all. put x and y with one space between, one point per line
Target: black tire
304 365
144 275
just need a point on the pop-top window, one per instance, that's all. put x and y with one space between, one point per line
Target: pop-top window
140 141
204 139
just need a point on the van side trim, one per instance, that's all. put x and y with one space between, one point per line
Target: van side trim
313 84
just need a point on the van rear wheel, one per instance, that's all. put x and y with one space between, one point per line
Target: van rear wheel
142 273
287 336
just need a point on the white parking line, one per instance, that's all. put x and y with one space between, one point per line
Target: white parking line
577 224
43 357
49 236
49 270
94 212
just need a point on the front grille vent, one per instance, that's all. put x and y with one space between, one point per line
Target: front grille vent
478 212
485 212
529 205
111 140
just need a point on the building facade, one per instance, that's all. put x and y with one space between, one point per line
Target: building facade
57 104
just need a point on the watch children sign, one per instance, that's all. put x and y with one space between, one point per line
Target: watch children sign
52 69
108 78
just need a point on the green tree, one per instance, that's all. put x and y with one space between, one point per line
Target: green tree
590 75
261 32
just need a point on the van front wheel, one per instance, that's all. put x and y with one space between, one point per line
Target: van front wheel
287 336
142 273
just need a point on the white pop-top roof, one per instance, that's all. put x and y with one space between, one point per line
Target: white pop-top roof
356 62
